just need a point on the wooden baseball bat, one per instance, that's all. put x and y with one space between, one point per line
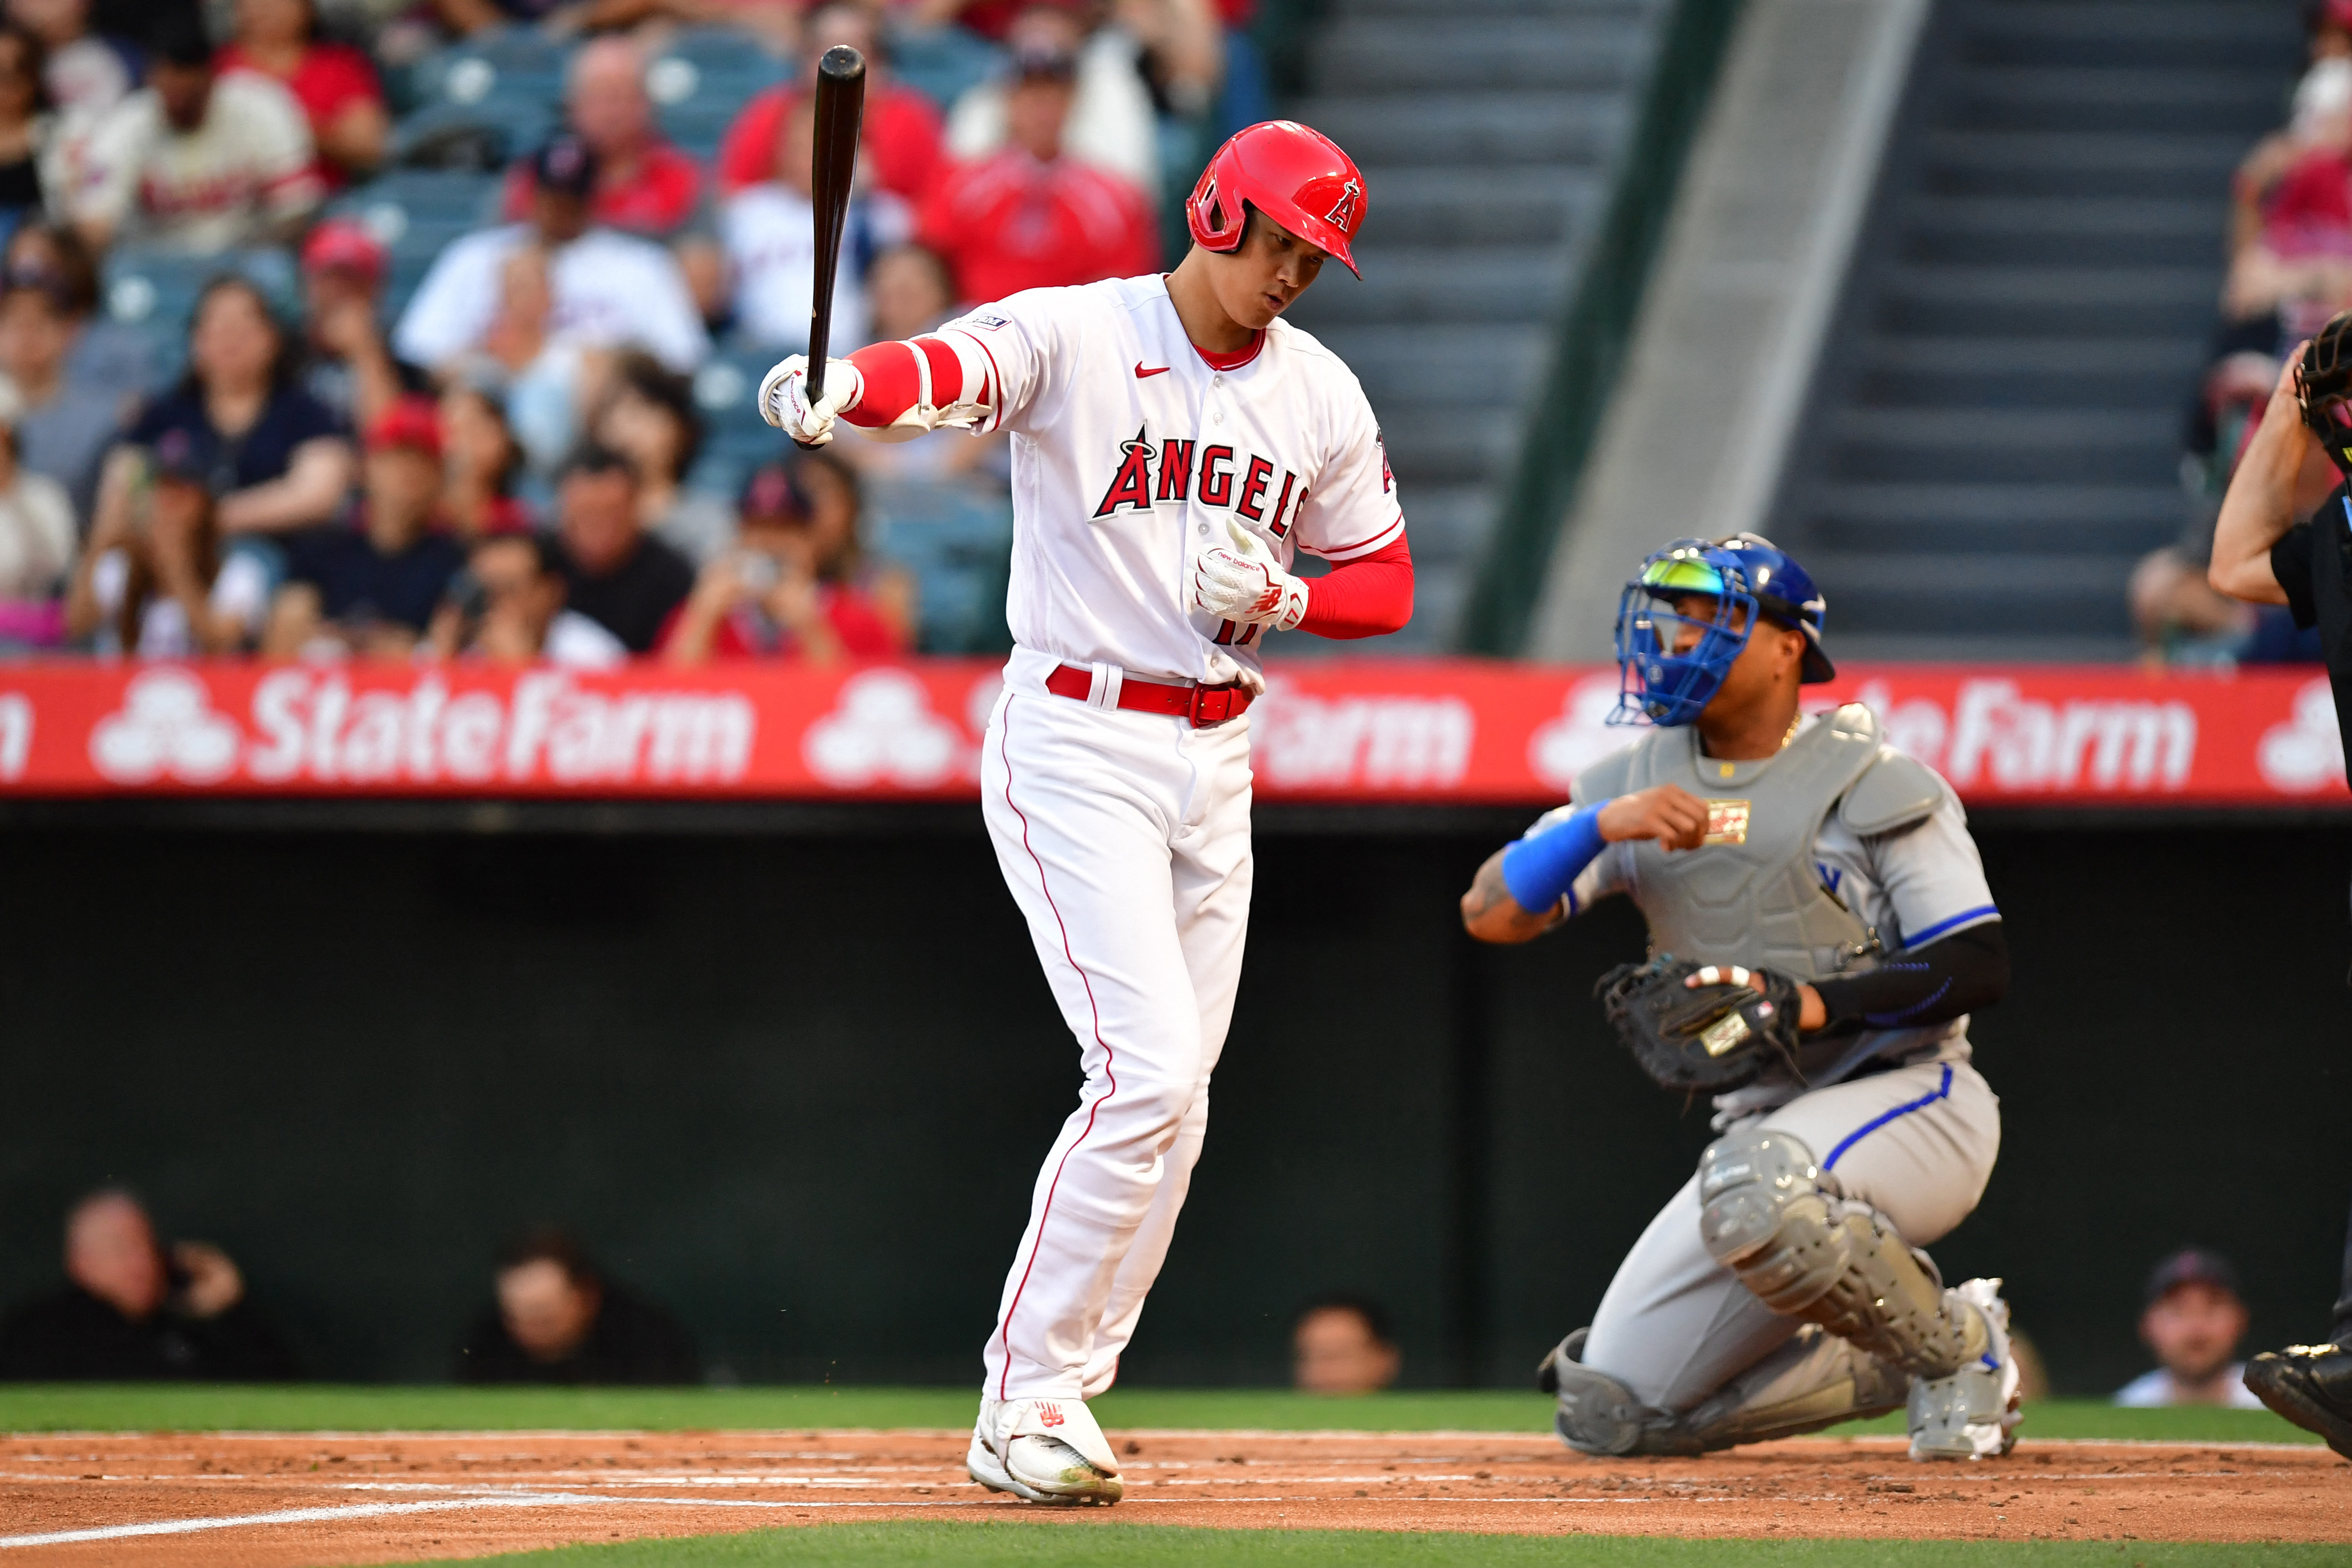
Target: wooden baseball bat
840 106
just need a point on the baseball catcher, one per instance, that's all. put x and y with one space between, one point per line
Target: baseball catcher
1820 930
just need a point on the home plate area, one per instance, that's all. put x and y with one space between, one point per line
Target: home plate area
322 1499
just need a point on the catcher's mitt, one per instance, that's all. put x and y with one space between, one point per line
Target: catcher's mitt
1715 1036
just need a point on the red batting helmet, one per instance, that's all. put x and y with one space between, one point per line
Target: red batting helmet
1295 175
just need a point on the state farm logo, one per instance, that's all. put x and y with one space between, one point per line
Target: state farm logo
1580 735
1995 734
310 727
1299 741
165 728
883 731
15 734
2306 752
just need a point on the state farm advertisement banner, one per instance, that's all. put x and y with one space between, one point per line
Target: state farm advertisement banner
1440 731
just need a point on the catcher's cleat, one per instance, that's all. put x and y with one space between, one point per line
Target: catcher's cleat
1972 1414
2311 1385
1043 1450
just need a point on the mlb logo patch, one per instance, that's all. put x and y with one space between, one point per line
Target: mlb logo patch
986 323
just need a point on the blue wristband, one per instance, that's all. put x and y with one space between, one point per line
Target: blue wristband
1539 868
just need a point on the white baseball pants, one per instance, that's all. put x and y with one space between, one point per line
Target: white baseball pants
1917 1144
1125 839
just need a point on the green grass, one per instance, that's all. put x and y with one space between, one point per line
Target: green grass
1069 1544
49 1407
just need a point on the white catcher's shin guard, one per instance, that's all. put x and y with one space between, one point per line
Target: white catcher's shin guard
1972 1414
1043 1450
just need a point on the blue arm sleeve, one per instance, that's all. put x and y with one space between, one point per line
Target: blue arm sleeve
1539 868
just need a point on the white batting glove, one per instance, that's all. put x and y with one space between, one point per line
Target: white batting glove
1243 585
785 401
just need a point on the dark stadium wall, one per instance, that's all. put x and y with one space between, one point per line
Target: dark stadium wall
796 1087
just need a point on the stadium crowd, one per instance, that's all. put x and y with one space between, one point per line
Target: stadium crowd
427 328
2290 269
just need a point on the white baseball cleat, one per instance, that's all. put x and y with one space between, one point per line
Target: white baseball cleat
1972 1414
1046 1450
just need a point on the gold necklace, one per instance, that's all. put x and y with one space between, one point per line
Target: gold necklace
1792 729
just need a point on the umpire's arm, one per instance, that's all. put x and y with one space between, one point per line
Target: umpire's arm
2259 507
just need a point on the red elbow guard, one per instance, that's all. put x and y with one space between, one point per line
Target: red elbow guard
894 380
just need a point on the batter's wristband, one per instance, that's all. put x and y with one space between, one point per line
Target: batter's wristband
1541 867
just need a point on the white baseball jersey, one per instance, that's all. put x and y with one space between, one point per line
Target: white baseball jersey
1130 452
247 165
610 289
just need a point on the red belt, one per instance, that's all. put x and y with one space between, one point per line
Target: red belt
1200 705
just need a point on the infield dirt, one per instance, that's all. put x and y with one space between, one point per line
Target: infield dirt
391 1496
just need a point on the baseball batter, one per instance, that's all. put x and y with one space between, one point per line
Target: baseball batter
1175 444
1819 929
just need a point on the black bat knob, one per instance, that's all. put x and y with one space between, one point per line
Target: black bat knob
842 63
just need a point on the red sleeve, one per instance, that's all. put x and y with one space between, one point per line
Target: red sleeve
748 156
864 633
345 76
893 383
1370 596
903 137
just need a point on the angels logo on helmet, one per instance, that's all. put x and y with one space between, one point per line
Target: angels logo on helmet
1343 212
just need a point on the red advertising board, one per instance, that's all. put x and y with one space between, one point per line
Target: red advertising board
1435 731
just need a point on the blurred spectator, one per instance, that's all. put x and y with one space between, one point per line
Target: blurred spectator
153 580
1029 218
559 1320
788 586
1343 1346
605 288
334 83
1111 125
899 135
2322 116
195 161
546 376
37 540
910 293
1182 45
275 455
508 607
561 17
86 74
480 461
62 426
349 368
108 357
133 1310
650 419
2179 616
370 587
618 576
2193 1322
643 184
25 165
769 232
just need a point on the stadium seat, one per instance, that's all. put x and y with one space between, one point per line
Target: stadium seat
702 81
940 62
957 541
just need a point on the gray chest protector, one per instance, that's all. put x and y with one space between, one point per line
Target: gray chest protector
1751 895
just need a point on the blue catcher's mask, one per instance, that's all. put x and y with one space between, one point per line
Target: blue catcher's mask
1744 576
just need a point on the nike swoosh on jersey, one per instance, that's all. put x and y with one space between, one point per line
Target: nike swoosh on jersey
1155 370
